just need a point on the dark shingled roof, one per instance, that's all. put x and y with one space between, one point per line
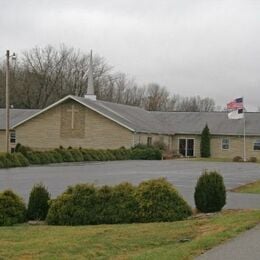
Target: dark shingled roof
218 122
16 116
135 118
140 120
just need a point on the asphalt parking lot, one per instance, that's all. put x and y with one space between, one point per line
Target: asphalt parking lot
182 173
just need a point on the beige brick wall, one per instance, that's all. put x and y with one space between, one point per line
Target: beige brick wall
44 131
142 139
236 147
2 141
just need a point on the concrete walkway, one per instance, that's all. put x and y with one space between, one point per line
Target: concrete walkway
244 247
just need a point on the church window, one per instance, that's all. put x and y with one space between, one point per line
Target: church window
257 145
225 144
12 137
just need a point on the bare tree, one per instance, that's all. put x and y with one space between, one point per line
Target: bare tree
157 98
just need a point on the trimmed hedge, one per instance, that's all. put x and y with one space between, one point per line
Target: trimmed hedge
151 201
24 156
210 192
12 209
13 160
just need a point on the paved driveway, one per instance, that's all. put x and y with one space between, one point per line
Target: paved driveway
183 174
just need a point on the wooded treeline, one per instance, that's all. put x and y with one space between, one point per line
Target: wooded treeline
41 76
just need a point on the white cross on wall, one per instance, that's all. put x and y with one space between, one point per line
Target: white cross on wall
73 111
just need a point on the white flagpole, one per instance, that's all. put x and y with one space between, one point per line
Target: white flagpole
244 138
244 131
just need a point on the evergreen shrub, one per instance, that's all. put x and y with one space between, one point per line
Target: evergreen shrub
210 192
205 142
38 203
146 154
87 155
76 206
22 159
33 157
158 201
6 161
151 201
77 155
117 204
66 155
12 209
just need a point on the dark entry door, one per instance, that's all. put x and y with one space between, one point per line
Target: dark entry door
186 147
182 147
190 147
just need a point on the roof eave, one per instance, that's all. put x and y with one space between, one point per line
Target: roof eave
82 103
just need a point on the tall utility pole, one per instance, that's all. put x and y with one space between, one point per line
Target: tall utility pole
7 101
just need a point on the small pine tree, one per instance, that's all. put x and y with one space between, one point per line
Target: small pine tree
38 203
210 192
205 142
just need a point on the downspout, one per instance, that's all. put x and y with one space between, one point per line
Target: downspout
133 144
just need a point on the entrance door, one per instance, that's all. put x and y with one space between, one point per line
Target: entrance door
186 147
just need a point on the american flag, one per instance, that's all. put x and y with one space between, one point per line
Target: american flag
235 104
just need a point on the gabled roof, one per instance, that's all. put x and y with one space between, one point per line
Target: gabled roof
139 120
16 116
133 118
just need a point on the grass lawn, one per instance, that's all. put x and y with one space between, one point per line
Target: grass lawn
253 187
131 241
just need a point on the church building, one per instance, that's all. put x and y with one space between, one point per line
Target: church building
89 123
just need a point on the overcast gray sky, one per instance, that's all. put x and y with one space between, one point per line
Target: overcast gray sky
192 47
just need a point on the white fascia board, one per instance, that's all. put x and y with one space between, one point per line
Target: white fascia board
64 99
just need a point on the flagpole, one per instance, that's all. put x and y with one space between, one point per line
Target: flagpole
244 132
244 138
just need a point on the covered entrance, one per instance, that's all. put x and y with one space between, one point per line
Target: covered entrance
186 147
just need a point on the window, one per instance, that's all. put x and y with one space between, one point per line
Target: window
257 145
225 144
12 137
149 141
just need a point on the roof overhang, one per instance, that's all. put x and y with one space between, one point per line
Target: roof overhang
76 100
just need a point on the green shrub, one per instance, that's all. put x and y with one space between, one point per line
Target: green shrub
6 162
141 146
22 159
116 204
210 192
76 206
66 155
38 203
22 149
77 155
86 155
44 157
12 209
13 160
146 154
205 142
56 157
237 159
159 201
121 153
154 200
33 157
